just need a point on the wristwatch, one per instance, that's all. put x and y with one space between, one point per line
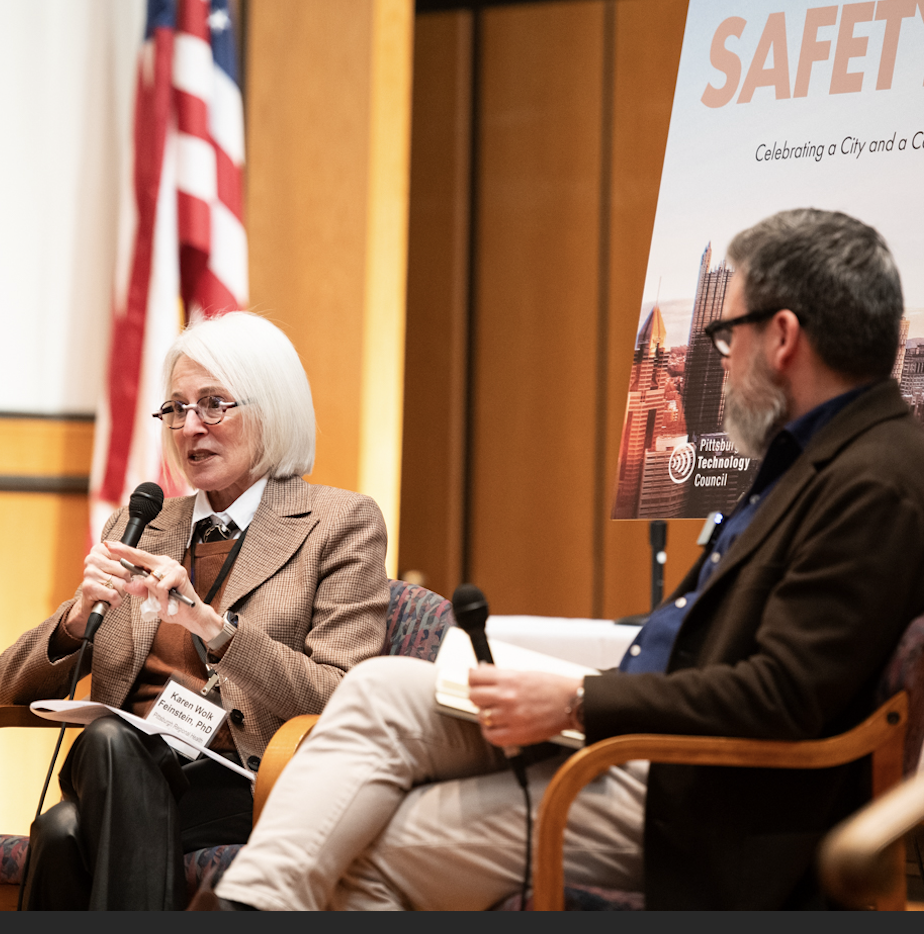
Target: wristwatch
226 634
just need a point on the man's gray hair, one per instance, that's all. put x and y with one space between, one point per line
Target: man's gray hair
837 274
258 365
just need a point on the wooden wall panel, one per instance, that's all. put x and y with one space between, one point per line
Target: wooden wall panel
41 565
432 479
546 408
531 523
308 110
328 130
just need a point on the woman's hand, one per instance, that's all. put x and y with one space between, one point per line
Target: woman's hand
519 708
104 581
164 575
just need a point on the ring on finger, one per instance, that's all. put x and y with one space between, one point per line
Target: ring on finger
487 717
160 574
109 584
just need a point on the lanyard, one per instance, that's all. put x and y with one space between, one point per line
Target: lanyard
210 596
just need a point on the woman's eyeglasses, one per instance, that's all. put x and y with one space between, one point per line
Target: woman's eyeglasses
210 409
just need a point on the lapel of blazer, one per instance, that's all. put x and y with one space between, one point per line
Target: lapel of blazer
278 530
881 403
166 534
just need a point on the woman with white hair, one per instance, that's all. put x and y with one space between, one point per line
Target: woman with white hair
282 588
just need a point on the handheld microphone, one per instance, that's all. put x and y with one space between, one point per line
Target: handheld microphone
470 609
144 505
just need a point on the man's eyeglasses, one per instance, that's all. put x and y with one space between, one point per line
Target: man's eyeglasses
210 409
720 330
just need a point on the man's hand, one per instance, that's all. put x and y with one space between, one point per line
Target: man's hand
519 708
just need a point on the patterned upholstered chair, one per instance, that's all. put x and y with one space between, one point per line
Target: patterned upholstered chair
416 622
864 857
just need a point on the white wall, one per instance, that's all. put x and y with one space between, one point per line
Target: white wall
67 78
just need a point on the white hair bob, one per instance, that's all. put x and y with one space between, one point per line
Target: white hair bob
258 365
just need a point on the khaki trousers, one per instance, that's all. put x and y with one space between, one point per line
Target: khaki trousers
391 805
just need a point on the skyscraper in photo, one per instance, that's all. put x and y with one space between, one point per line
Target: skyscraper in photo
646 408
705 378
900 356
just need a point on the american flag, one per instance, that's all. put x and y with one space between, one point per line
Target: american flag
182 244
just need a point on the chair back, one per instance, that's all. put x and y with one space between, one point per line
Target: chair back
905 672
416 622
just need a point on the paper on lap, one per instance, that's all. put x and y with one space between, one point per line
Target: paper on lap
456 657
81 711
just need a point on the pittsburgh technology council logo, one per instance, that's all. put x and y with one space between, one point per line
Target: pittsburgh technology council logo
682 462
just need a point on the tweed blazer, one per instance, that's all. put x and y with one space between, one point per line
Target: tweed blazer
310 590
786 641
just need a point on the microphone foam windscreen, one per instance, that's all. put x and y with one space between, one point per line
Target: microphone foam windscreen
469 606
146 502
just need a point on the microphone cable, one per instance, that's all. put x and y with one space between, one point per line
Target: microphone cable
51 770
470 609
528 868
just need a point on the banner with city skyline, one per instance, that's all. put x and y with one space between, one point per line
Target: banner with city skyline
777 105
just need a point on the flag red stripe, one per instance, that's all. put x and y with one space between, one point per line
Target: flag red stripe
192 114
230 183
193 263
152 109
213 295
192 16
194 218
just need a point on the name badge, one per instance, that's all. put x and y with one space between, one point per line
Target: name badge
188 716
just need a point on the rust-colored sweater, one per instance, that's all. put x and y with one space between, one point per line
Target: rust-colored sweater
173 651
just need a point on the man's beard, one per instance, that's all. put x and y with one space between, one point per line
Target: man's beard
755 410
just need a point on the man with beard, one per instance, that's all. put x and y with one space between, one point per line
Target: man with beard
779 631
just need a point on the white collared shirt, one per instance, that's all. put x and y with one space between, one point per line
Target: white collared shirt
240 512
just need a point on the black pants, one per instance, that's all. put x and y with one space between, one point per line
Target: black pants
130 812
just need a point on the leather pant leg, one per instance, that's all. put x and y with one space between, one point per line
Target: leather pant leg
57 877
118 828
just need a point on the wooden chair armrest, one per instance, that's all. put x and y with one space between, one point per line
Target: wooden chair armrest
857 858
885 727
21 715
280 749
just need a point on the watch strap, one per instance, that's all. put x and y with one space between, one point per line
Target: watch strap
226 634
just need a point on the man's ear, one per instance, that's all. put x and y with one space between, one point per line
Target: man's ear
784 336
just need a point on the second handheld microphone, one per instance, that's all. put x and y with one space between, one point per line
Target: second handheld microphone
470 609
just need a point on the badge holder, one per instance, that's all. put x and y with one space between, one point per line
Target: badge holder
192 720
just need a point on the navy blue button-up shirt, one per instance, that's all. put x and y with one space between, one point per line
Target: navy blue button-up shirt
651 649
